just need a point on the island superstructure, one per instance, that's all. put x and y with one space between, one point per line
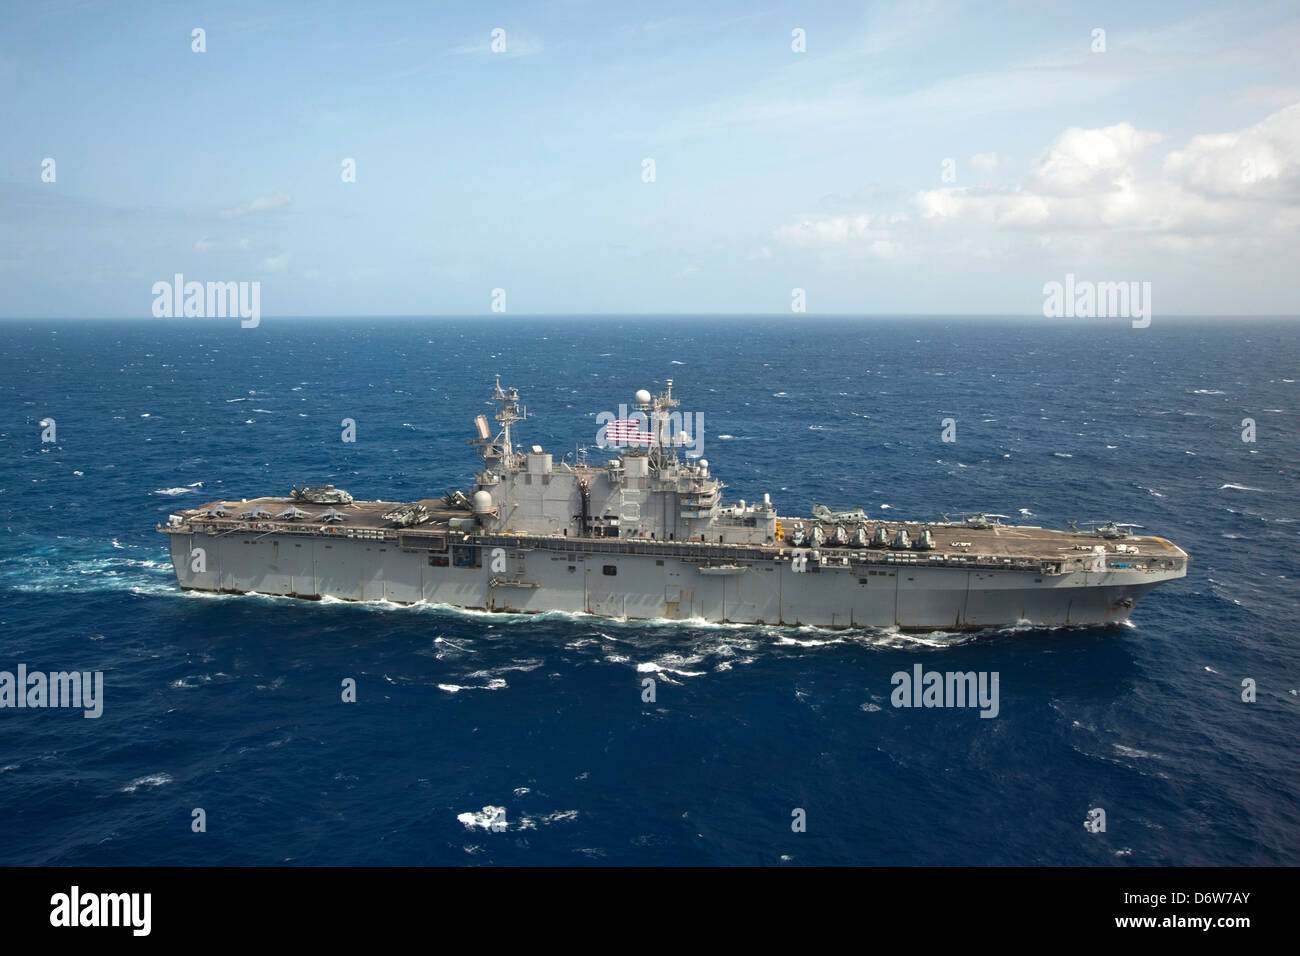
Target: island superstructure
647 535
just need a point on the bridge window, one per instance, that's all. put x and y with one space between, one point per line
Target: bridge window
610 570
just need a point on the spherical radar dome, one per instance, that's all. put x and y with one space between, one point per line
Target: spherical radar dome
482 502
642 397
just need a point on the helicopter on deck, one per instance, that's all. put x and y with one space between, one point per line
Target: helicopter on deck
979 522
826 514
1109 530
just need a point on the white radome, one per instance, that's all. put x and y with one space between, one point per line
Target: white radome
642 397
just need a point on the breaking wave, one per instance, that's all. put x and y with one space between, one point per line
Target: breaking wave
153 780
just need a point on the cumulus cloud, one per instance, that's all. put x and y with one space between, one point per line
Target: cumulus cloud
1259 161
1219 188
1087 161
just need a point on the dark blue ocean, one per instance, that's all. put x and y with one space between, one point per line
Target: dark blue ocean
232 704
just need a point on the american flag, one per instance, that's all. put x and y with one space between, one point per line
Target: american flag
627 431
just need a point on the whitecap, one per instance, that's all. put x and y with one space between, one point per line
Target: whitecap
487 818
495 683
153 780
1132 751
656 667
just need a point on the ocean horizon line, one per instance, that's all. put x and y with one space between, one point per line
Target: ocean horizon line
868 316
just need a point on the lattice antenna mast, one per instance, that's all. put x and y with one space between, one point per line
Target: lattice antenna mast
511 412
659 407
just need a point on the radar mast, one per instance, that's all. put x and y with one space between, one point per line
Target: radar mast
658 408
501 448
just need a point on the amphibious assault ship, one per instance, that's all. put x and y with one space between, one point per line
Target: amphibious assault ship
647 535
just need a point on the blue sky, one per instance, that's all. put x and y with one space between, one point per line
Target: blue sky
1172 157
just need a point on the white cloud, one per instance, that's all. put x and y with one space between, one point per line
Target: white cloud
1099 183
838 229
1261 161
260 204
1088 160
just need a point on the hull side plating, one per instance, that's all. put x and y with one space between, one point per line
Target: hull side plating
912 597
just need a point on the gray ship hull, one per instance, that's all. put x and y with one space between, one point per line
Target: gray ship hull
655 581
648 536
